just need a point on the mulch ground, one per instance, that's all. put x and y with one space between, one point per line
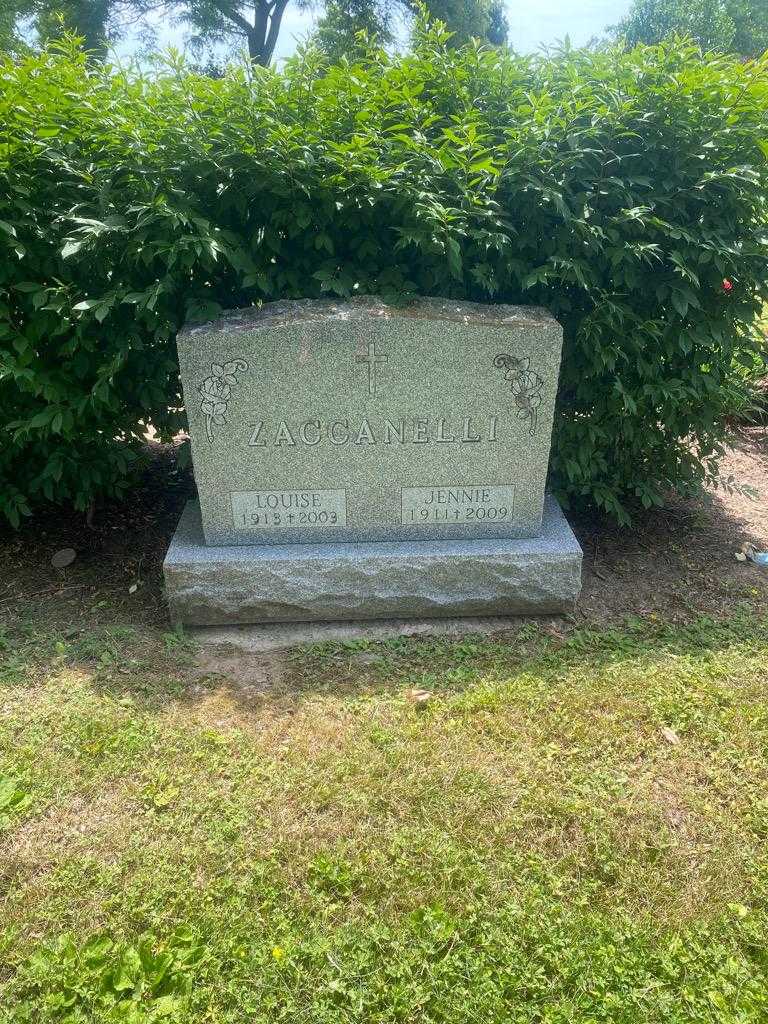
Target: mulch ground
677 562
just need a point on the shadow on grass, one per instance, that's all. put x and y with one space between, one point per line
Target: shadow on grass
157 669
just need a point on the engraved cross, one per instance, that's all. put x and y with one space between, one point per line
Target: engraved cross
373 360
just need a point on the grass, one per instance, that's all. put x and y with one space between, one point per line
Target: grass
571 828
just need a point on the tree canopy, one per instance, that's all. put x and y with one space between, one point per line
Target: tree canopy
254 25
90 19
12 13
729 26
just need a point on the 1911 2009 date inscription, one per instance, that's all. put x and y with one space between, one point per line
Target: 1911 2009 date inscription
457 504
299 509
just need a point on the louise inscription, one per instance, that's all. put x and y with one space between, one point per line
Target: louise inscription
457 503
300 509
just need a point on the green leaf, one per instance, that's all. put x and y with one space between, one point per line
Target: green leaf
680 302
72 246
453 252
12 797
41 419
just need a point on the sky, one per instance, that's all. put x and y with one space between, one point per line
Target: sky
531 24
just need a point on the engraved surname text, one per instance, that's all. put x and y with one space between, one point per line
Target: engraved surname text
368 431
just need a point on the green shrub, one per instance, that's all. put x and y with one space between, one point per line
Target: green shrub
619 190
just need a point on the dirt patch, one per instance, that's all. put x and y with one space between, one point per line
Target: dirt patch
680 561
249 673
96 827
117 572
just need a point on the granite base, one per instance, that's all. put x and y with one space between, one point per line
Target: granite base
210 586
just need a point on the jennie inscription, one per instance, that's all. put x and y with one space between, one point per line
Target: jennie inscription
457 504
324 421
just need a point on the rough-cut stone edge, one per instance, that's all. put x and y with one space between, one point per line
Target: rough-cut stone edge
295 311
210 586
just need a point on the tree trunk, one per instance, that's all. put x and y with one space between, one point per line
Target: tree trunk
86 19
257 37
262 37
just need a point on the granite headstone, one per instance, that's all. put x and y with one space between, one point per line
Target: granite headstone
335 444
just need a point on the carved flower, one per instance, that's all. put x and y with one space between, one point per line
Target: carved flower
227 371
526 402
525 385
216 392
513 366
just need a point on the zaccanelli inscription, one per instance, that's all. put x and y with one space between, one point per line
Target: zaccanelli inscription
416 430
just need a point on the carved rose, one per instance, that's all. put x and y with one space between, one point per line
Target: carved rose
215 396
525 385
216 391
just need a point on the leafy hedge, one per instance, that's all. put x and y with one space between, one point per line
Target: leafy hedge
620 190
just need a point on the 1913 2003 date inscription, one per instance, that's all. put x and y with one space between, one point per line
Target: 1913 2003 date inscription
299 509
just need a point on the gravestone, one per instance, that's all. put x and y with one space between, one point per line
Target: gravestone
357 460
